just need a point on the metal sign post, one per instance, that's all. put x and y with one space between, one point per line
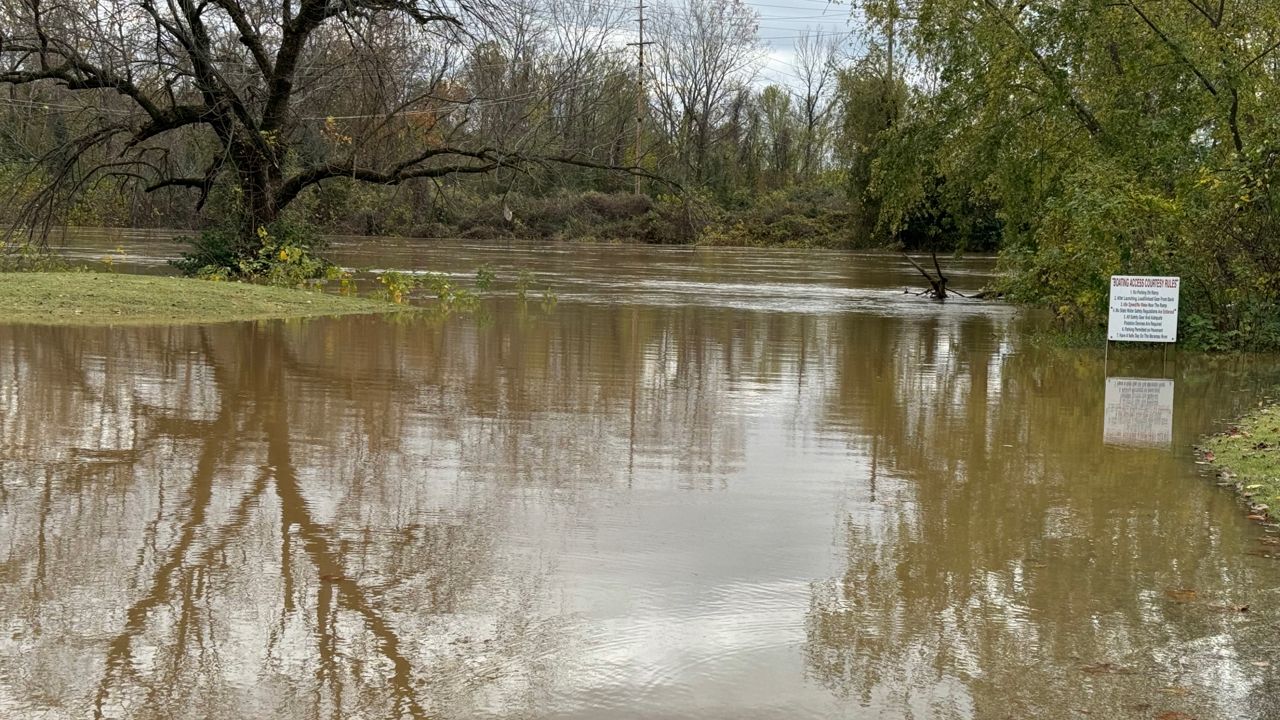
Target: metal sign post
1139 411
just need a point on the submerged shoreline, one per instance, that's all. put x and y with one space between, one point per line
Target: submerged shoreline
1246 456
91 298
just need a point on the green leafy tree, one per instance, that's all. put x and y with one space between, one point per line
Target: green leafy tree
1132 136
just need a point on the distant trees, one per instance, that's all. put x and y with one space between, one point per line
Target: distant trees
871 101
708 50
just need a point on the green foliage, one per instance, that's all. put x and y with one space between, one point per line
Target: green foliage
525 282
1098 139
395 286
282 254
449 295
871 102
812 217
25 256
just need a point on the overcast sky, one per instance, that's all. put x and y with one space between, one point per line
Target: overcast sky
781 21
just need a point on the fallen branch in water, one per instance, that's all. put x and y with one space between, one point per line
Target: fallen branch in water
937 286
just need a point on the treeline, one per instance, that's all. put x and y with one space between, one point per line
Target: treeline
1080 138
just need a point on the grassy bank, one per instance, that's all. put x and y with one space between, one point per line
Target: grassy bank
83 298
1247 455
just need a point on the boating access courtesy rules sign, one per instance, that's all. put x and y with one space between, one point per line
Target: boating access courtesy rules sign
1143 309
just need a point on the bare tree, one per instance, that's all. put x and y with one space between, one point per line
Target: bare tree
704 50
270 96
815 67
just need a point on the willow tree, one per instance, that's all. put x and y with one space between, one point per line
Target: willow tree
265 98
1126 136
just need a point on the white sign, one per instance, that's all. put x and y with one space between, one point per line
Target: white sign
1143 309
1138 412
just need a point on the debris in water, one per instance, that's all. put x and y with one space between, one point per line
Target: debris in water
1106 668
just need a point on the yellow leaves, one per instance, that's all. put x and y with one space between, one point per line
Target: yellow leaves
332 132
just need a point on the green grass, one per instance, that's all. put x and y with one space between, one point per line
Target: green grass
1247 454
85 298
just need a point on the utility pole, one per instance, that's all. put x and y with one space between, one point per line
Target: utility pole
641 96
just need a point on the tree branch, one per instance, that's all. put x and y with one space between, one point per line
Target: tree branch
1173 47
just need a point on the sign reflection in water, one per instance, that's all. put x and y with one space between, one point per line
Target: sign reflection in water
1138 412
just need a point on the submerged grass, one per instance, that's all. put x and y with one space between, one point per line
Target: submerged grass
1247 455
86 298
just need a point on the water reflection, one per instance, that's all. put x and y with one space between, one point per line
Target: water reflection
625 509
1000 563
169 508
1139 412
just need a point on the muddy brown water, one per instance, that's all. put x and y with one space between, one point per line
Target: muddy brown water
706 484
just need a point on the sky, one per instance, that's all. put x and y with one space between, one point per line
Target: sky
781 21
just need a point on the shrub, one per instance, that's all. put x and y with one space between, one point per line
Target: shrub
284 254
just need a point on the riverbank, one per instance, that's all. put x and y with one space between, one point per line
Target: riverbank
794 217
1247 456
86 298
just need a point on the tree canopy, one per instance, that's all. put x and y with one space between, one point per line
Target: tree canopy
1109 137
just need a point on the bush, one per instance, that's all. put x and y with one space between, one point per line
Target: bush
284 254
812 217
1217 231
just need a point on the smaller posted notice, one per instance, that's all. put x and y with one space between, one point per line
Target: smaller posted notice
1143 309
1139 412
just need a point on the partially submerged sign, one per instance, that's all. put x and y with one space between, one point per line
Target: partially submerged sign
1139 412
1143 309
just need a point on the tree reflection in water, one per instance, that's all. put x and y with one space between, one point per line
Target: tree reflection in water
995 566
625 509
180 464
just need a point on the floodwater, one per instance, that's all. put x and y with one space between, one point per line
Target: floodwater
706 483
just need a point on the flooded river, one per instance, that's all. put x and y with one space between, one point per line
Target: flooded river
706 484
